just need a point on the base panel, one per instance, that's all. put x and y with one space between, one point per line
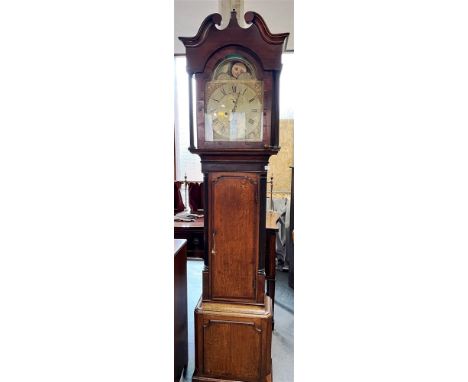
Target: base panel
233 342
268 378
197 378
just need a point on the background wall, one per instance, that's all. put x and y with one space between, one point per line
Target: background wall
278 14
279 166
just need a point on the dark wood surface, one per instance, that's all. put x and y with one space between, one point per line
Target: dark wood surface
193 232
270 259
180 309
257 38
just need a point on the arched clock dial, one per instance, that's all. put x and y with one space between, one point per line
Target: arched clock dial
234 103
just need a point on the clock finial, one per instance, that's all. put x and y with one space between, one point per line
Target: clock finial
234 20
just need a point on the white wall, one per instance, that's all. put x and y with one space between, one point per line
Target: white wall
278 14
188 15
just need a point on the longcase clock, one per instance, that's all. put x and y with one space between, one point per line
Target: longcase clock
234 129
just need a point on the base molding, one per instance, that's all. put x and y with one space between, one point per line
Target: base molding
199 378
268 378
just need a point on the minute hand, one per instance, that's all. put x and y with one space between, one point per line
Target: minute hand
235 103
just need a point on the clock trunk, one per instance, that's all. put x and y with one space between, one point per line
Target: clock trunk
234 229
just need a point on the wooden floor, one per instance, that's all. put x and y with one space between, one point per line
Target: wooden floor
283 335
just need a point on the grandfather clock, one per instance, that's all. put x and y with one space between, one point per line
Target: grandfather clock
235 126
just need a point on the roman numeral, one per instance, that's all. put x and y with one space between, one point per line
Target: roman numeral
244 91
254 110
234 88
251 100
223 91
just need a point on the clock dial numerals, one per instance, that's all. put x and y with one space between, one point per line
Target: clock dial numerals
234 112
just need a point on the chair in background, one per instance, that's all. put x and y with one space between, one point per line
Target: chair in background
195 191
178 201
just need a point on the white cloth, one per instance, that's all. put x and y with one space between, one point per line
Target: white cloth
281 206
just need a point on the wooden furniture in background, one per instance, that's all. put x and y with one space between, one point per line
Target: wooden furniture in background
180 309
270 258
193 232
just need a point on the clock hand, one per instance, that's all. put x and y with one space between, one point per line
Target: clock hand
235 103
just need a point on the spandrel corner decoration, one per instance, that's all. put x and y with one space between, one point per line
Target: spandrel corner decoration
234 119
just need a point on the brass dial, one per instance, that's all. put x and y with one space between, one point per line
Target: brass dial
234 110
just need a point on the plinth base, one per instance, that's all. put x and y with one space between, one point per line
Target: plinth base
233 342
268 378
